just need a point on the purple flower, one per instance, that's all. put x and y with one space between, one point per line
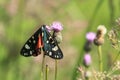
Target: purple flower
56 26
48 28
87 59
90 36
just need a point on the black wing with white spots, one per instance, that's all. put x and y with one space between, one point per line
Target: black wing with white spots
30 47
50 47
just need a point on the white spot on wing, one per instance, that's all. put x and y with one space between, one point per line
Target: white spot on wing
42 34
57 56
47 51
42 27
34 41
30 41
25 54
50 53
31 52
27 46
32 37
53 42
50 37
47 41
55 48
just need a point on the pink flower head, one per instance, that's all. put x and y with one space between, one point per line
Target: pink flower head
48 28
56 26
90 36
87 59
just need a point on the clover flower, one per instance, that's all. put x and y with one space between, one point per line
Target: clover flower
56 26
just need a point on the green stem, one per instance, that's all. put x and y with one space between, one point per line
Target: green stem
46 76
90 26
42 70
43 62
55 69
100 58
112 11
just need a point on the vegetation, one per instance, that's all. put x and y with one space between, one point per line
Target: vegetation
19 19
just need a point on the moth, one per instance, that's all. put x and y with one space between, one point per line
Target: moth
42 40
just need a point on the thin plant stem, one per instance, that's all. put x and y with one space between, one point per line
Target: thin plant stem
119 5
43 62
55 69
46 72
112 10
100 58
111 72
92 20
42 69
115 59
55 59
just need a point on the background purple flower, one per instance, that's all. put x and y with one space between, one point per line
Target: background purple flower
87 59
57 26
90 36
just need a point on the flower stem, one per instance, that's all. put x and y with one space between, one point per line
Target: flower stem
100 58
46 74
42 70
55 69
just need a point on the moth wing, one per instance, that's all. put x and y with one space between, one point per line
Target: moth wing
51 47
30 47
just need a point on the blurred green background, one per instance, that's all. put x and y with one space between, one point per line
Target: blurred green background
19 19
